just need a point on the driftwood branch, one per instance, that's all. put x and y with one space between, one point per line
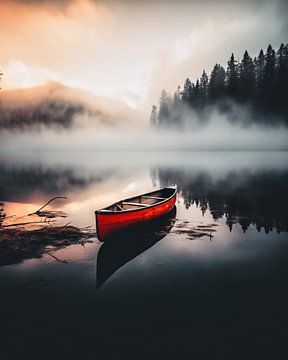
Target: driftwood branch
37 212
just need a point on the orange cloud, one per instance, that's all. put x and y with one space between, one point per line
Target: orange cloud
51 35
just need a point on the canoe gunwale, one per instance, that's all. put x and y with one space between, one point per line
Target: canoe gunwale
103 211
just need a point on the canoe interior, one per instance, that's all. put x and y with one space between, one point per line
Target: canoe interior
141 201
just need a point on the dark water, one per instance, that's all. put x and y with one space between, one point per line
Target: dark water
209 281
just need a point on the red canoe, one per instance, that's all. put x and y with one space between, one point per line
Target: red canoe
136 210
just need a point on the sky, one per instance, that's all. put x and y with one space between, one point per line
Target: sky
130 50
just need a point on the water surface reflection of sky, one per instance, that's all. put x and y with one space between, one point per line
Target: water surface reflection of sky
214 269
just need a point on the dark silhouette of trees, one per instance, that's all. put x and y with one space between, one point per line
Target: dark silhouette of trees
196 95
217 83
247 78
153 116
187 92
259 67
281 78
48 113
261 83
267 88
204 82
165 109
232 78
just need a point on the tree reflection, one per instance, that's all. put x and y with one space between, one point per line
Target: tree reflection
244 198
45 180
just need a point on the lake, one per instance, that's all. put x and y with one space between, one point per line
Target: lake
208 281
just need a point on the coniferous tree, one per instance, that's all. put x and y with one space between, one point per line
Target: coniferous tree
262 81
196 93
187 92
176 113
177 97
247 78
217 83
153 116
164 115
281 79
232 78
204 82
269 78
260 62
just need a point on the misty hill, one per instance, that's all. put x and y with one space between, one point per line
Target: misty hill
250 90
57 106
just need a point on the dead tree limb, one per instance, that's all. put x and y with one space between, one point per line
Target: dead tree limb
39 210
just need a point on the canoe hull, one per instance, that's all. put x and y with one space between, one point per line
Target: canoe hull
109 224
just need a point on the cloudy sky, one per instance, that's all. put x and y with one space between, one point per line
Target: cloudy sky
127 49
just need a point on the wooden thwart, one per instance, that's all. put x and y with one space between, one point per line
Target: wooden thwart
153 197
134 204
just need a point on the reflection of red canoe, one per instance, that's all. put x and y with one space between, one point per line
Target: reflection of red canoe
138 209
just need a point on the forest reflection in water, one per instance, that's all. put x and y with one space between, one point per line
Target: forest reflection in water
249 195
244 188
192 276
247 198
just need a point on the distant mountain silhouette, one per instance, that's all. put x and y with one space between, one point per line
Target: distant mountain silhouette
55 105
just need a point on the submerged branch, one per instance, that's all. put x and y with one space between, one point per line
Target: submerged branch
19 242
55 257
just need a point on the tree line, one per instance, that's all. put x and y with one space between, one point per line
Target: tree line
260 83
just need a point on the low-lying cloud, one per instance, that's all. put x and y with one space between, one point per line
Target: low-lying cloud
57 106
217 134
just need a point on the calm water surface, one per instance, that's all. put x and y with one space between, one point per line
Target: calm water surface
207 281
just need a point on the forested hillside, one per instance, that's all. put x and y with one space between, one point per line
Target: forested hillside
259 84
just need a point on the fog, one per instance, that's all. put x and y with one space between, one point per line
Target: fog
57 106
219 134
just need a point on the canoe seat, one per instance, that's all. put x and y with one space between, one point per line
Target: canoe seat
153 197
134 204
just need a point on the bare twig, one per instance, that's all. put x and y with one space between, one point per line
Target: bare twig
39 210
55 257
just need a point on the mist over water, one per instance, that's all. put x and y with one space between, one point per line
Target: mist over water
224 136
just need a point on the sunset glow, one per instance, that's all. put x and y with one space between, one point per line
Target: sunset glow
113 49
